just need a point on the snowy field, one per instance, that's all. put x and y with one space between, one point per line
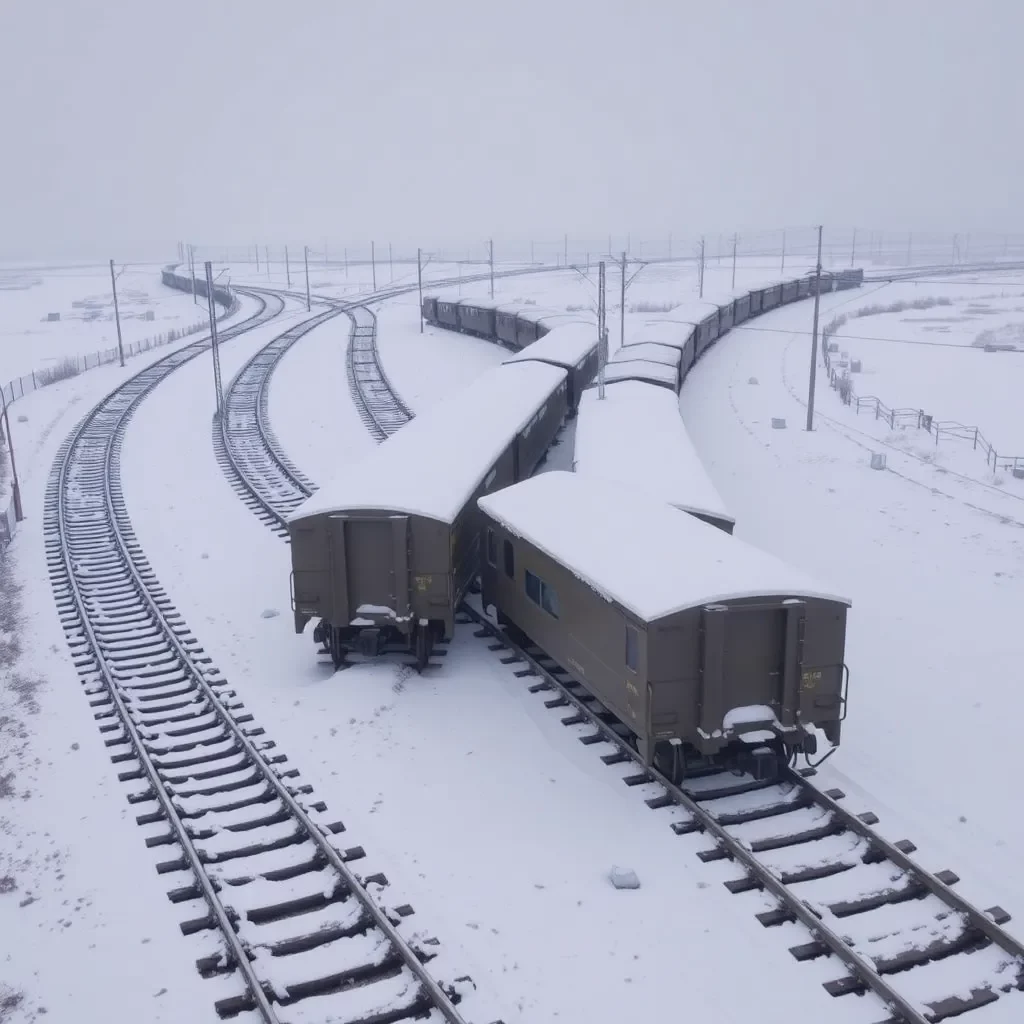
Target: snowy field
482 809
82 298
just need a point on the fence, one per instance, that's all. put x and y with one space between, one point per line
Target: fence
74 365
842 383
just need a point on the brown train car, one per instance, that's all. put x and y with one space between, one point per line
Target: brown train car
384 554
707 649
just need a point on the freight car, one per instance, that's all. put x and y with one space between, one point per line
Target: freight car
636 437
706 649
573 347
385 554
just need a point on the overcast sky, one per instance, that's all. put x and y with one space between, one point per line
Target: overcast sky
133 121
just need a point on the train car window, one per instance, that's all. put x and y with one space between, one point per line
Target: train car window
492 549
532 587
632 647
510 560
549 600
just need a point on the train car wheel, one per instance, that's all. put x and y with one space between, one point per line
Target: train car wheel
337 649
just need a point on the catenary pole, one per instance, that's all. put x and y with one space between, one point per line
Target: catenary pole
257 248
622 308
735 240
782 269
853 247
305 259
287 267
814 338
391 263
490 260
419 282
117 313
212 308
602 329
192 264
700 293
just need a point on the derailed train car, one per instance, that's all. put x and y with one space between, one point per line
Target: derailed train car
384 554
707 650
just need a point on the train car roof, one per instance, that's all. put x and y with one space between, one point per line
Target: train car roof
639 551
432 465
650 351
640 369
564 346
636 436
479 303
693 311
664 332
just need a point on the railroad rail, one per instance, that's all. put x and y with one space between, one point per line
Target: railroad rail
825 867
293 931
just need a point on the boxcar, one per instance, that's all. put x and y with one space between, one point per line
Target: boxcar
573 347
448 313
682 336
476 316
705 648
771 296
754 302
506 325
790 291
703 315
635 436
430 309
385 553
531 324
654 352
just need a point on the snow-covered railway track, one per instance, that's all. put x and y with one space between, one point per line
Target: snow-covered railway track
244 442
380 406
284 927
899 930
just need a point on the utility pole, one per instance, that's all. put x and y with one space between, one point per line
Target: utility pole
391 263
266 252
15 487
910 237
670 245
735 239
257 248
565 249
814 339
956 246
490 259
192 264
117 313
531 251
622 311
373 263
853 247
700 294
212 306
782 269
602 330
305 259
287 267
419 282
346 262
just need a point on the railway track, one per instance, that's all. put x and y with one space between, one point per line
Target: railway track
896 930
895 927
286 927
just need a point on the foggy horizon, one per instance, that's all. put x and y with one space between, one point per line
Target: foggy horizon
233 124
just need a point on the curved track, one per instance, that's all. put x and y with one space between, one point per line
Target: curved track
289 929
892 925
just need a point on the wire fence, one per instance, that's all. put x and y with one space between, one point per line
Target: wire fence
840 369
76 364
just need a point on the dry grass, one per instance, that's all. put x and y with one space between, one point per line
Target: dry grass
62 371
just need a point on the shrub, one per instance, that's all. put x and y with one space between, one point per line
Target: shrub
651 307
62 371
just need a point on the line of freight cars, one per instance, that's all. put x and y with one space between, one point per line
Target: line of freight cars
733 662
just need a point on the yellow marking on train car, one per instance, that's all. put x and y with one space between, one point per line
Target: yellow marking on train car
810 678
422 583
631 688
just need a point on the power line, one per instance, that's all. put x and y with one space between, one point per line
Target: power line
864 337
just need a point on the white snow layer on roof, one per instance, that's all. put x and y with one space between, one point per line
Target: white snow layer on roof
632 369
638 551
636 436
650 351
565 345
691 312
664 332
432 465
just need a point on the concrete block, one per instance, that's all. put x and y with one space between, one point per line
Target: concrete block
878 460
778 424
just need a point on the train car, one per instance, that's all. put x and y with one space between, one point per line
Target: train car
636 437
506 325
681 336
790 291
429 309
533 322
703 315
770 296
621 368
708 650
546 324
850 278
573 347
476 316
448 313
726 303
384 554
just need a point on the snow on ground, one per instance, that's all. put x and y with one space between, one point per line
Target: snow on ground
934 360
82 297
80 899
934 564
485 813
